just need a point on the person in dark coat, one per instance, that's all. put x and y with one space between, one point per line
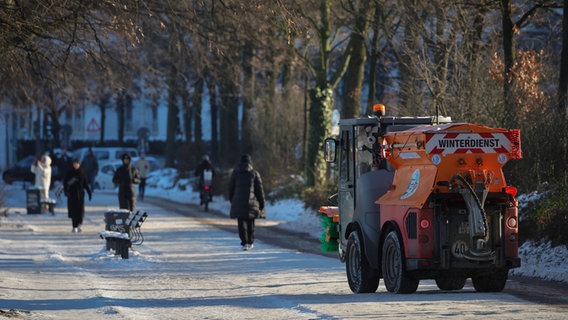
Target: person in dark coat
247 199
126 177
64 164
90 165
74 185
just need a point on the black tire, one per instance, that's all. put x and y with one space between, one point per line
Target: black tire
394 275
206 205
360 276
450 283
490 282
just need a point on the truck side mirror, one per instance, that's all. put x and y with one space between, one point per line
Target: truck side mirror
330 149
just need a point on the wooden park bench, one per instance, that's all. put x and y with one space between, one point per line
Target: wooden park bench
123 230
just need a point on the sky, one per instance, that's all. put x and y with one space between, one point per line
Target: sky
189 270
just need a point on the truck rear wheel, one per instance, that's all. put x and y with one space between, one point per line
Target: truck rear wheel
450 283
361 277
490 282
395 277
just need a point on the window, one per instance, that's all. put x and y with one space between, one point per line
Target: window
366 142
345 147
102 155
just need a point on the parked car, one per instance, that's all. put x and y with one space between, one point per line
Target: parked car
105 154
20 171
106 172
107 169
154 163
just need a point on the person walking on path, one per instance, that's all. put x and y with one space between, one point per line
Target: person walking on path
74 184
126 177
90 165
246 195
143 167
206 174
42 170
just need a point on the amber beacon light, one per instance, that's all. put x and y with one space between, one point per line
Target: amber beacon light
379 110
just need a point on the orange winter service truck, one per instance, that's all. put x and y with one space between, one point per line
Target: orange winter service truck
422 198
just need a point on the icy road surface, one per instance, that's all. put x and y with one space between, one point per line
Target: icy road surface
189 270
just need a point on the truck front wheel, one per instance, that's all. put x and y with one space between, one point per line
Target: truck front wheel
361 277
395 277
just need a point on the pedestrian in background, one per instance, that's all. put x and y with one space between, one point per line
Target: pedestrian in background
74 184
64 164
90 165
126 177
42 170
247 199
206 174
143 167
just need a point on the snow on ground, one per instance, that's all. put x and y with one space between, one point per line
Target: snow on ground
537 260
47 272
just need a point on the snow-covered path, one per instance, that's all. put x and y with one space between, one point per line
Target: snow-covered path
186 270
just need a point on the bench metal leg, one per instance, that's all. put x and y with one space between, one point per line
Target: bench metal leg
120 246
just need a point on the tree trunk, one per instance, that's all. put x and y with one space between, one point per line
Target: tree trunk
406 103
229 145
563 77
441 60
373 60
211 88
321 104
120 107
563 89
305 126
103 102
187 112
55 130
248 99
197 107
321 99
353 81
273 135
128 106
509 60
172 121
473 58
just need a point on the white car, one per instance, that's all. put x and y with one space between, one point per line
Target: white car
105 154
103 180
154 163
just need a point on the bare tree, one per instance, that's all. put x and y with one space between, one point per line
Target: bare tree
563 87
315 18
361 13
563 77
